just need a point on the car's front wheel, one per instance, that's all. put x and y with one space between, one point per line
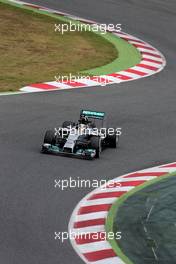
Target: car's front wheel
50 137
112 140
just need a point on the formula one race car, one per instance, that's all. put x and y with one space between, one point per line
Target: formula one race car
84 139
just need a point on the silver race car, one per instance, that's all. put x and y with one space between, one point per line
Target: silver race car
83 139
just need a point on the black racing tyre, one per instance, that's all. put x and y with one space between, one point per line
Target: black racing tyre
96 144
67 124
50 137
112 141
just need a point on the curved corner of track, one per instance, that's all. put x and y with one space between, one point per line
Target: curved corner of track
152 61
90 215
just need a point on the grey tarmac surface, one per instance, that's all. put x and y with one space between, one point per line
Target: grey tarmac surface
31 208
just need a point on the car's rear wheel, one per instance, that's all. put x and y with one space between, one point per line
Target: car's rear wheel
67 124
96 144
50 137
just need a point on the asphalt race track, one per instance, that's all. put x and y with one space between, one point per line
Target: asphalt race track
31 208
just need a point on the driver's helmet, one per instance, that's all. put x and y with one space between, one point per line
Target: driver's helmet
84 120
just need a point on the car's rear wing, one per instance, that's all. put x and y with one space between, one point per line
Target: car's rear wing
93 114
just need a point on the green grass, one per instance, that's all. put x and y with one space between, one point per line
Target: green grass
128 56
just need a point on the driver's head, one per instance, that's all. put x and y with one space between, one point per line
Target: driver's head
84 120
